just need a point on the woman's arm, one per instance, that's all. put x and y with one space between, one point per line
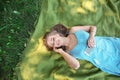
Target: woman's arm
71 61
85 28
91 40
92 31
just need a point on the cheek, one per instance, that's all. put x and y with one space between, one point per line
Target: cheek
60 38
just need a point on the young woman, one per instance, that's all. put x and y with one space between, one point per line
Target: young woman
80 42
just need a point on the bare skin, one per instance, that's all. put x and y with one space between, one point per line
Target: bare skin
56 41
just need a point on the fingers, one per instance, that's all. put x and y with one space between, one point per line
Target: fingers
56 50
91 43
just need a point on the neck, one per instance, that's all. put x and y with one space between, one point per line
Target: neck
70 42
66 41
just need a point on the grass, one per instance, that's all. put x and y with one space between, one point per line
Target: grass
17 21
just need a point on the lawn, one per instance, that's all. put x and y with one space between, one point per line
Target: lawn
17 21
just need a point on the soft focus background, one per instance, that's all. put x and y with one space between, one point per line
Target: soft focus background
17 20
35 62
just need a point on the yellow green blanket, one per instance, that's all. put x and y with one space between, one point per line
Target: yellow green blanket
39 64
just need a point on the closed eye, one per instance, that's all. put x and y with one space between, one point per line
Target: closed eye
52 41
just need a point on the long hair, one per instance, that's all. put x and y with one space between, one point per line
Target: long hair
60 29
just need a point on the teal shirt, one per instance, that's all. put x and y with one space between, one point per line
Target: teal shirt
105 55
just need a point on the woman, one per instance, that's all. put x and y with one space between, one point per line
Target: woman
80 42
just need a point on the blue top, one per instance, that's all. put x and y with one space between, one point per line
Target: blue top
105 55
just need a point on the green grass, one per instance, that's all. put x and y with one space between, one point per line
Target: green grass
17 21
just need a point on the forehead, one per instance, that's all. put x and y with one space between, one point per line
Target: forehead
48 39
51 34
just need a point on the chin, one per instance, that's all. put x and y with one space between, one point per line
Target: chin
59 46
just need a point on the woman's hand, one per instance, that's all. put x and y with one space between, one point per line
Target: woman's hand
71 61
59 50
91 42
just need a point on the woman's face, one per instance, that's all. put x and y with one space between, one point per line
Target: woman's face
54 40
